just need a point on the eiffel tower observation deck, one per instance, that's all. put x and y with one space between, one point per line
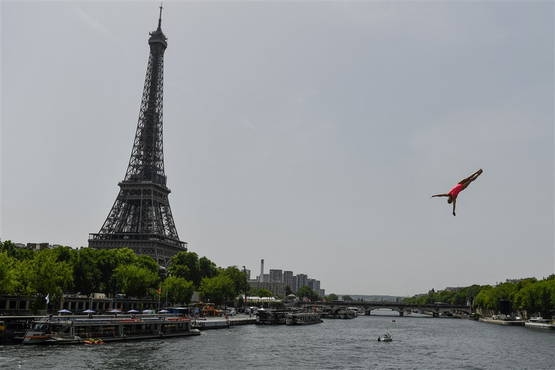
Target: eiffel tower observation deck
141 218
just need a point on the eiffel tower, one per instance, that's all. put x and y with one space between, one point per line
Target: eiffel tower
141 218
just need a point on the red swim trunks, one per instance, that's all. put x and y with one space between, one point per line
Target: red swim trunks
456 190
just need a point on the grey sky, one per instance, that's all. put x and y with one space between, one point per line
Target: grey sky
309 134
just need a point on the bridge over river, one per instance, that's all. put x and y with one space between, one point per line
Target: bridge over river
434 309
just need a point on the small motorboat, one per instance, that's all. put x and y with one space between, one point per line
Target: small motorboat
93 341
385 338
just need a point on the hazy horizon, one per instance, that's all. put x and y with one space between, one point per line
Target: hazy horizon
309 134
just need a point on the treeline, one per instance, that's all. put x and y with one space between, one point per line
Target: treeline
530 295
60 270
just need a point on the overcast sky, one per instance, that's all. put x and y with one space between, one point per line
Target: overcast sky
310 134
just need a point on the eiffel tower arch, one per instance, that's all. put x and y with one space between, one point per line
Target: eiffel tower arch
141 218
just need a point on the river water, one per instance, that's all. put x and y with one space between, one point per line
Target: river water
418 343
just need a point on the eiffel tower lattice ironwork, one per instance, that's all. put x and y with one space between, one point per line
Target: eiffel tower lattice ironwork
141 217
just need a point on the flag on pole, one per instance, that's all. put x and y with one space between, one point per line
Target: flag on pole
48 298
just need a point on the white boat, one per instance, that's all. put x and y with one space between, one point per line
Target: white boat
540 323
385 338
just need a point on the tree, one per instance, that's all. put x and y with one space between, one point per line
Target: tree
239 279
86 273
186 265
15 252
347 298
49 277
7 274
134 280
148 263
207 268
218 289
177 290
306 292
107 261
331 297
263 292
288 290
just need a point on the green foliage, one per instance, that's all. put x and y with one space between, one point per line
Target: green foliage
135 281
347 298
188 266
207 268
87 275
239 279
119 270
218 289
262 292
148 263
7 274
306 292
528 295
331 297
47 275
177 290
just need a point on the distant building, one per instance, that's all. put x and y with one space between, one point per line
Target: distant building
316 286
302 281
288 279
277 289
322 292
248 272
265 278
310 283
295 285
37 246
276 276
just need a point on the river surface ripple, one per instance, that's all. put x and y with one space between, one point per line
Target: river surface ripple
419 343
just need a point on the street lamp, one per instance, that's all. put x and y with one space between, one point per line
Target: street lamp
246 288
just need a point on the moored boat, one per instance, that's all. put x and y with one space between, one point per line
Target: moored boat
271 317
302 318
540 323
62 330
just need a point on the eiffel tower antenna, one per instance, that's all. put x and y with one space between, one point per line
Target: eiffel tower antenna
141 217
160 18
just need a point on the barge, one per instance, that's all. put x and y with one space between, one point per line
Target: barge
61 330
302 318
271 317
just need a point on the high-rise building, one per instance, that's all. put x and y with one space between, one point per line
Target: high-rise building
261 276
302 280
141 218
316 286
295 285
310 283
276 276
288 279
